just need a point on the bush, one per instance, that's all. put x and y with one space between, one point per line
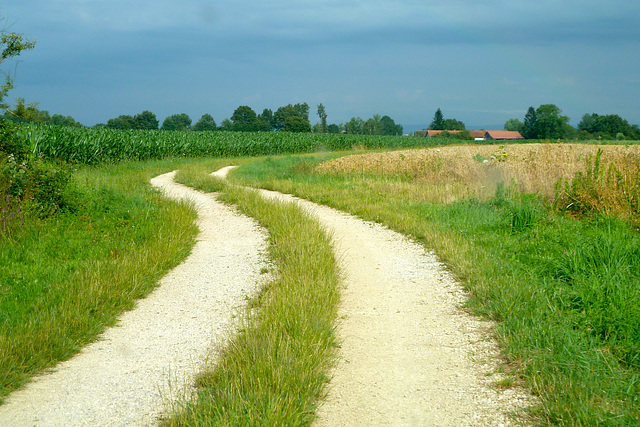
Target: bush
47 183
27 184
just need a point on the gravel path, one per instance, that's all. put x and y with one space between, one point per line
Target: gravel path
409 354
126 377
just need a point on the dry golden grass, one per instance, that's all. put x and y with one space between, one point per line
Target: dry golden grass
452 172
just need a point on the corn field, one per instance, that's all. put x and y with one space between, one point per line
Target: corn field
93 146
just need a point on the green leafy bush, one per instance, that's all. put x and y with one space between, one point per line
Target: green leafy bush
28 184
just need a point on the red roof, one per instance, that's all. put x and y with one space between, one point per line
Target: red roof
503 134
477 133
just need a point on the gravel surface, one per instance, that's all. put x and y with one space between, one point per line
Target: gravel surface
127 377
410 356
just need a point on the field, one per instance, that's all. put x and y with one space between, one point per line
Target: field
557 268
544 236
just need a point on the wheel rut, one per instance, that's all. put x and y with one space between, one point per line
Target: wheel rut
409 354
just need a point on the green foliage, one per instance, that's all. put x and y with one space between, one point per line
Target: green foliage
354 126
296 124
514 124
121 122
611 126
297 115
145 121
453 124
546 122
389 126
99 145
206 123
47 188
244 119
22 113
322 114
177 122
455 135
333 128
438 121
530 125
11 46
550 122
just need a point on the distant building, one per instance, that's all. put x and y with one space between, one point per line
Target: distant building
478 135
502 134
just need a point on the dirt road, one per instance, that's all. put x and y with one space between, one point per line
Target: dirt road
409 355
125 378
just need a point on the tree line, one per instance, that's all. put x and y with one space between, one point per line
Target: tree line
288 118
547 122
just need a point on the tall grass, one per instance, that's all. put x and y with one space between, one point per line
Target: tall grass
564 291
272 372
64 278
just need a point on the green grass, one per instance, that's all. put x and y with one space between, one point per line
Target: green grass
565 293
63 279
273 370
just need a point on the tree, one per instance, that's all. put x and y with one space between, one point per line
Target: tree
266 120
245 119
354 126
206 123
588 123
121 122
22 112
514 124
12 45
323 118
609 126
373 126
178 122
226 125
438 121
296 124
389 127
530 125
333 128
146 121
60 120
453 124
550 123
281 114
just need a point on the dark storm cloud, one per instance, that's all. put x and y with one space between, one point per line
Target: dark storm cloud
479 60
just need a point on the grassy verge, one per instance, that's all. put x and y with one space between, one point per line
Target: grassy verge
63 279
564 291
273 370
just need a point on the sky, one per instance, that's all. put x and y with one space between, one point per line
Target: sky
480 61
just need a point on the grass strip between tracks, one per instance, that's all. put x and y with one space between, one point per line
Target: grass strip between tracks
273 370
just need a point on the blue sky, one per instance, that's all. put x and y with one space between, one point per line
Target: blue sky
480 61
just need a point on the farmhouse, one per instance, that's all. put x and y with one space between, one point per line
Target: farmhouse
502 134
478 135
